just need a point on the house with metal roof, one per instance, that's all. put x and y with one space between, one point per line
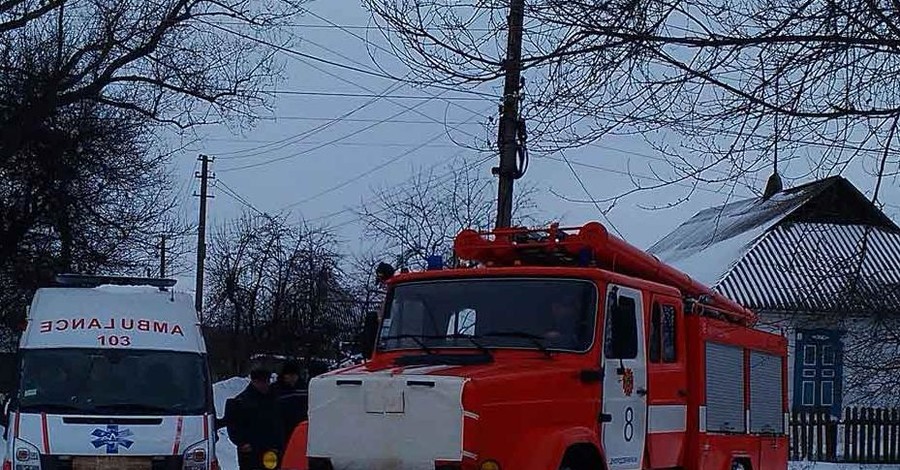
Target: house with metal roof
818 262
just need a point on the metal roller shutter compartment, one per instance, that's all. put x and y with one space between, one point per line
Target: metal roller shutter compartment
766 413
724 388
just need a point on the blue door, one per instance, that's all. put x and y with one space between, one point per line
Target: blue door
818 370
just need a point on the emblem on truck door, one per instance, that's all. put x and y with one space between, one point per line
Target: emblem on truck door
628 382
112 437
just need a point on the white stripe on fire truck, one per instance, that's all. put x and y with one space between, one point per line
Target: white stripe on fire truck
703 418
667 418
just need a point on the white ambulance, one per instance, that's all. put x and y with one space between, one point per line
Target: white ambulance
112 374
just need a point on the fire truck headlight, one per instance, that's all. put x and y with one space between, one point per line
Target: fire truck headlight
490 465
270 460
196 456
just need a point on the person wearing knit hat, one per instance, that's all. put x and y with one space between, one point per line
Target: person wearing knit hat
292 398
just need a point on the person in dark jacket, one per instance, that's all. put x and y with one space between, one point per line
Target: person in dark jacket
292 398
254 423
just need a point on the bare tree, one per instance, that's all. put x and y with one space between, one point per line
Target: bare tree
718 88
92 196
278 288
85 88
15 14
179 62
422 217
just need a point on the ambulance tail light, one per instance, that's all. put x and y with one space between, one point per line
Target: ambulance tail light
7 465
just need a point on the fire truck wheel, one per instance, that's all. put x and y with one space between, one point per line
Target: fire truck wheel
581 457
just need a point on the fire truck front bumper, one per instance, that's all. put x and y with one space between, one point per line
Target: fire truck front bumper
385 422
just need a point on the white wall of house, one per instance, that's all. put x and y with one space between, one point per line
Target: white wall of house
861 386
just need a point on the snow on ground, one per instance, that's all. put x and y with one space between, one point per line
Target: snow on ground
838 466
227 454
225 450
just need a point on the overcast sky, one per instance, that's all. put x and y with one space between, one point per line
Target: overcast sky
290 161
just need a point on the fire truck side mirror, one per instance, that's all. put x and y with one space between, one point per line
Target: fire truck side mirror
369 335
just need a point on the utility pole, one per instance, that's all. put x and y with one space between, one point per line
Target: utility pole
162 257
509 114
201 232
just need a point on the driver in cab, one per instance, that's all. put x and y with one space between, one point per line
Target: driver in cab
563 331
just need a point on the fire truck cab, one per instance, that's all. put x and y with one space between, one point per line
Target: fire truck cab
553 349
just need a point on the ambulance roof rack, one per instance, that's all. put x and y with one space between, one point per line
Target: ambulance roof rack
88 280
588 245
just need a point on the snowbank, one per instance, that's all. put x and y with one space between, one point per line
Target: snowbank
225 450
838 466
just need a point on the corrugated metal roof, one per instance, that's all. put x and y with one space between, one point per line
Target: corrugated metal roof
707 245
795 251
818 268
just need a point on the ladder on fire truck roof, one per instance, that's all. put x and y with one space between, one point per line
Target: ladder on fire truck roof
591 245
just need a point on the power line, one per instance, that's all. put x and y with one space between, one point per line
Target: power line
288 140
290 51
368 172
355 84
317 147
348 119
362 87
228 191
365 41
450 173
369 95
332 63
343 26
630 174
345 144
588 194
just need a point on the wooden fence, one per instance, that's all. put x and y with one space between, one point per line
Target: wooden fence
863 435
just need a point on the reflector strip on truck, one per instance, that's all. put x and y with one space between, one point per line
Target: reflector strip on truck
45 434
178 435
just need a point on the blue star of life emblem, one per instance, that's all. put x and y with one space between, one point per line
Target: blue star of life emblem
112 437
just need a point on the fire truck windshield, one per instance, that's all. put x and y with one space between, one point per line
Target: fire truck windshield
546 314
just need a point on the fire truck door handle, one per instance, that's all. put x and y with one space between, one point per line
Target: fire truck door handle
605 418
641 391
591 375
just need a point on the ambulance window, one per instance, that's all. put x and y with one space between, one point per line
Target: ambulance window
655 333
668 334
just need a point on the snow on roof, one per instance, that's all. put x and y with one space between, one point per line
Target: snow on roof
757 253
710 243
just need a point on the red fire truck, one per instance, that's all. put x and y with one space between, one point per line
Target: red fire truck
553 349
